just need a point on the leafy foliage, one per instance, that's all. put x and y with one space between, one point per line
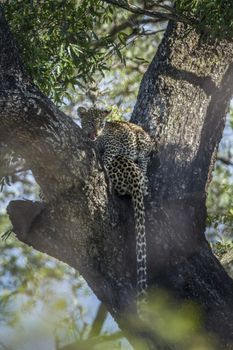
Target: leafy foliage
68 45
214 16
58 41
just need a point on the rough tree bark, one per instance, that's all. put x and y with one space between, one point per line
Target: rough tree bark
182 102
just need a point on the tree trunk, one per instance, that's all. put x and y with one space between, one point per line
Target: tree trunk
182 103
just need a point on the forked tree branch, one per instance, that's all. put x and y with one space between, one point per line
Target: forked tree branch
162 16
85 225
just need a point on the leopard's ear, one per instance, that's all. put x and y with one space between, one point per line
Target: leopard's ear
81 111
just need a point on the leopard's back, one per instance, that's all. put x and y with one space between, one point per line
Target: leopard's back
126 153
126 139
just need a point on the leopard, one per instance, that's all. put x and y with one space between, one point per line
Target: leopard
125 150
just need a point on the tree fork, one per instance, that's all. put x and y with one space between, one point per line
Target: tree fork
182 103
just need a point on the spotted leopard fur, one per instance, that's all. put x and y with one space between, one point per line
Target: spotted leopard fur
125 151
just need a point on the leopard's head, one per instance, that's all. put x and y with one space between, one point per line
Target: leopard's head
92 121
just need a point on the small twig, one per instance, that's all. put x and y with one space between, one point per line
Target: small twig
90 343
7 234
132 22
166 16
225 161
16 171
130 40
147 32
98 321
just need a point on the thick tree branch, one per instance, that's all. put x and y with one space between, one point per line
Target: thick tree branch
182 102
66 167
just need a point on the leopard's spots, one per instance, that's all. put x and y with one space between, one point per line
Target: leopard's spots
125 148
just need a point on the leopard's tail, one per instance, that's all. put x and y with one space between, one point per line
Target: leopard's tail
127 178
141 250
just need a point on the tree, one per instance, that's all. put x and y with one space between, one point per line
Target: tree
182 102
